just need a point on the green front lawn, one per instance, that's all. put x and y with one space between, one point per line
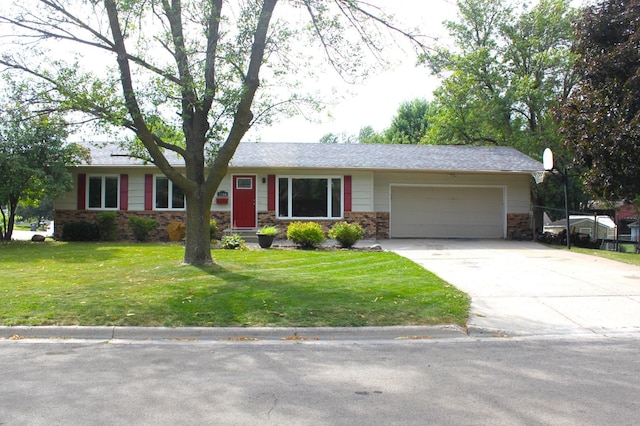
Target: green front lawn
144 285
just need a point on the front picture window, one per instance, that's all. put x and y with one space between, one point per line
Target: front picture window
168 195
310 197
103 192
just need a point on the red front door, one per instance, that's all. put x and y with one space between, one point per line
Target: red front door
244 202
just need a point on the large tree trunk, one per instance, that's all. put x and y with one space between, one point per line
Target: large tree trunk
198 244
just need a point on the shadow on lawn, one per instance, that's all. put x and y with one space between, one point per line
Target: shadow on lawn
271 298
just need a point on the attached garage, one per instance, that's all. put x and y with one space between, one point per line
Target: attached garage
447 212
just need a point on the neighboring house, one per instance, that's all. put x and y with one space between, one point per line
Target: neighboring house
635 235
393 191
627 215
584 224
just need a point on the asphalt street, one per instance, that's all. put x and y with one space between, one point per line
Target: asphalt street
497 381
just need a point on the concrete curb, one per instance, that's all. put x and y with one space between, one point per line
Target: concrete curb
232 333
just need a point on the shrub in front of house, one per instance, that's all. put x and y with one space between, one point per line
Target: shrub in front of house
176 231
106 223
232 242
346 234
80 231
213 230
305 234
141 227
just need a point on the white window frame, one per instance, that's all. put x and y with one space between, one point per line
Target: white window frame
329 197
169 195
102 192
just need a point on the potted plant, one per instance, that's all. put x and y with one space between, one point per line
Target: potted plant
266 235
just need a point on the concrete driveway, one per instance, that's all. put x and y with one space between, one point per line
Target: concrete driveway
525 288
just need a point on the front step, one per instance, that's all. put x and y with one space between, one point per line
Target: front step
247 234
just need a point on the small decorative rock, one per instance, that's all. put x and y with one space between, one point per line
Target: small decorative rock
38 238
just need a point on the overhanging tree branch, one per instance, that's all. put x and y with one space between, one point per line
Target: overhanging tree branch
349 7
147 138
243 117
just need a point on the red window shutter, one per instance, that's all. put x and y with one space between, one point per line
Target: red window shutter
124 192
271 192
347 194
82 191
148 192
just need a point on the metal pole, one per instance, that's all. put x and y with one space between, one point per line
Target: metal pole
565 180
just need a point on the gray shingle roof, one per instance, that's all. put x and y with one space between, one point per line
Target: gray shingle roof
355 156
383 157
113 155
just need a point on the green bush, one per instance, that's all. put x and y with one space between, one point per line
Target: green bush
232 242
107 229
305 234
80 231
213 229
346 234
141 227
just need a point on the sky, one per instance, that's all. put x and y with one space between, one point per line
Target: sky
376 101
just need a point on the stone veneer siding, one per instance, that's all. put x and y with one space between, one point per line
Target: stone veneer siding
63 217
382 225
519 226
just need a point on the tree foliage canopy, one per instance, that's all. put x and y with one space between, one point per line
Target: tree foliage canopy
34 156
411 123
408 126
601 118
507 71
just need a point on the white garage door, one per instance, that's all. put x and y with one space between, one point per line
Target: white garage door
447 212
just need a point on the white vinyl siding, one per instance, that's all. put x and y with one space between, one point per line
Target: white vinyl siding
361 191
